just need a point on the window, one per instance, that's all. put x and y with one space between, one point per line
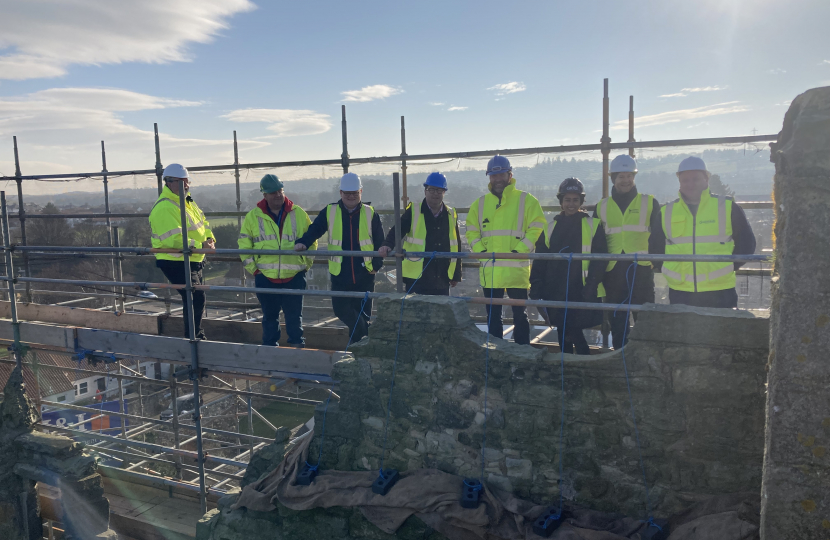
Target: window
143 370
83 388
62 398
743 288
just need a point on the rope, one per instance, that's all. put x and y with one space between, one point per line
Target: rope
487 368
649 519
331 390
395 364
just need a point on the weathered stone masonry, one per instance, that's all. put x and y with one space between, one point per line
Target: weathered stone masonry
697 378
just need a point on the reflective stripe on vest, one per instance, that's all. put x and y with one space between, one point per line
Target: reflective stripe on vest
416 240
699 276
627 237
365 240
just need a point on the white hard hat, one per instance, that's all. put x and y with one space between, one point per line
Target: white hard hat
623 163
174 170
691 163
350 182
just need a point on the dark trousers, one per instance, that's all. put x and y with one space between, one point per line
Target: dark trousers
616 292
426 287
521 330
290 304
575 339
174 272
348 309
726 298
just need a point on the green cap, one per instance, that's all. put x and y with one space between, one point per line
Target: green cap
270 183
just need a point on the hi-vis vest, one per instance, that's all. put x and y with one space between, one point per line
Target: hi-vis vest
166 225
707 233
512 224
260 232
627 232
589 230
335 220
416 240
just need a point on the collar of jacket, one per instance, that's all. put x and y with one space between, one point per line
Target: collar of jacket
425 208
510 188
705 195
580 214
287 206
170 194
624 197
356 208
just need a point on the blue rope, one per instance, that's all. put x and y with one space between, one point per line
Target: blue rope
630 284
331 390
562 391
395 365
487 367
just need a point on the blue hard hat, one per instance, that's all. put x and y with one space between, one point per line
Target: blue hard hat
436 179
498 164
691 163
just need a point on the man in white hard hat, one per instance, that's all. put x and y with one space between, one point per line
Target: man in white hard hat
700 223
351 226
166 225
628 218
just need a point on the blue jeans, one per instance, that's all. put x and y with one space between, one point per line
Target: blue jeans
290 304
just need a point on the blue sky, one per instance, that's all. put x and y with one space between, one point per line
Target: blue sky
467 75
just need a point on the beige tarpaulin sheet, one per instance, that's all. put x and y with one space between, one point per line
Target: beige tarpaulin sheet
433 496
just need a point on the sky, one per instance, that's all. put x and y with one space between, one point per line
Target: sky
467 75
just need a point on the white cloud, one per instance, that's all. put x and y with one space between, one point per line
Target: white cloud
683 114
703 89
686 91
436 104
823 62
371 93
285 122
454 108
776 71
697 125
508 88
47 37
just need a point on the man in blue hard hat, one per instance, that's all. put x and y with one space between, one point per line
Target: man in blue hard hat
628 218
352 225
702 223
431 226
505 220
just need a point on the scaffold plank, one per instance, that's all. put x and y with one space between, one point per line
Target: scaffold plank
45 334
125 322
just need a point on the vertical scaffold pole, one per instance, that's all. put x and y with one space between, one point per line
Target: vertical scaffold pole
159 168
121 407
239 218
404 197
631 125
174 404
344 157
250 420
194 351
117 260
21 215
396 193
10 269
109 223
605 141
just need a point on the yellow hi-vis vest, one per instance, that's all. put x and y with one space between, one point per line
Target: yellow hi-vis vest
416 240
709 232
335 220
512 224
166 225
627 232
260 232
589 230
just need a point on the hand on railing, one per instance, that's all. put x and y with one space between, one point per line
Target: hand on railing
384 251
300 247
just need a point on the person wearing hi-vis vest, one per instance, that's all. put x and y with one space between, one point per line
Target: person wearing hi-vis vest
351 226
431 226
276 223
628 218
700 223
166 226
505 220
572 231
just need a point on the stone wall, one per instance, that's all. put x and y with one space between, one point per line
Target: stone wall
697 379
27 457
